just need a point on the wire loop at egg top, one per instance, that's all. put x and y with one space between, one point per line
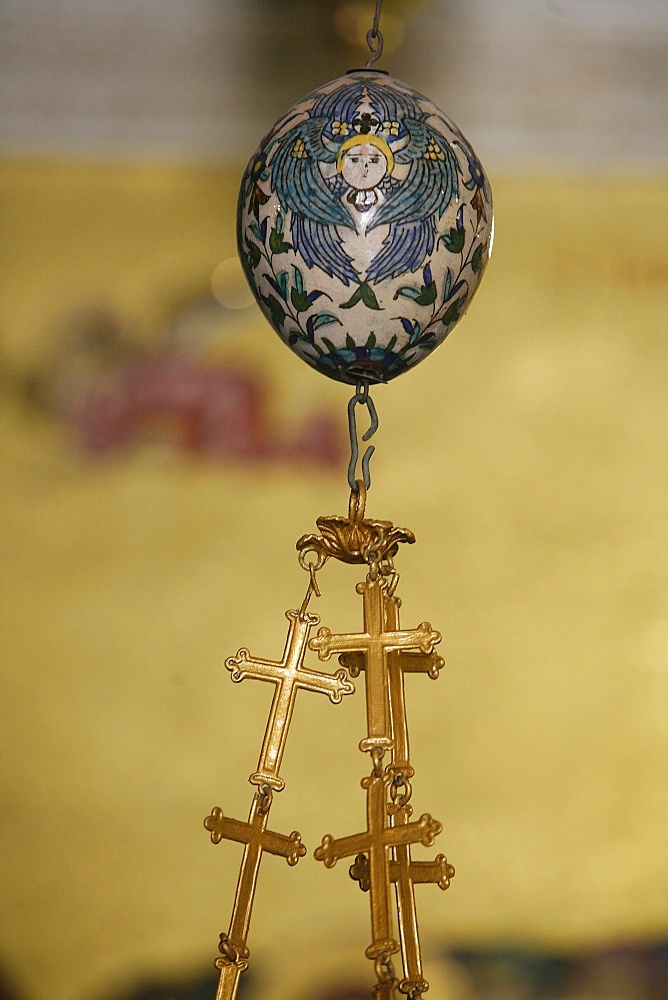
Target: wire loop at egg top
364 226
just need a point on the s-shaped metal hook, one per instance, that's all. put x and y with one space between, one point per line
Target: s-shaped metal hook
362 397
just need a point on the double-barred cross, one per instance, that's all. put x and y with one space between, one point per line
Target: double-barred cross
375 843
404 872
289 675
377 644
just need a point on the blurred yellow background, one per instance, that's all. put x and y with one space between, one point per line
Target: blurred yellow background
528 455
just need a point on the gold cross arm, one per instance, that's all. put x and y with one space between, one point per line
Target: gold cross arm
289 675
225 828
437 872
424 638
408 661
422 831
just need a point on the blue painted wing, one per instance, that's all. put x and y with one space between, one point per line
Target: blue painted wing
316 211
413 208
404 249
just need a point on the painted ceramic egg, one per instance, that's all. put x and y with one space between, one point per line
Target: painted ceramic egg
364 227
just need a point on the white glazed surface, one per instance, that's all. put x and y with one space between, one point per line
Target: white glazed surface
364 227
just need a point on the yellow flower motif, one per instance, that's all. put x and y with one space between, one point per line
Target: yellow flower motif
340 128
299 150
434 151
391 128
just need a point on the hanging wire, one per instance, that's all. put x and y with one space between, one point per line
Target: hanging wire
374 39
363 398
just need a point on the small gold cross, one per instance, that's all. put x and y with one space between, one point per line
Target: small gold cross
256 839
289 675
375 843
405 872
376 643
399 662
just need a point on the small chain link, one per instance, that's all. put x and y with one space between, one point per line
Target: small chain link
400 781
227 949
264 796
383 968
377 755
311 568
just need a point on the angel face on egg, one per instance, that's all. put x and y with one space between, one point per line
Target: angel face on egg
363 165
364 183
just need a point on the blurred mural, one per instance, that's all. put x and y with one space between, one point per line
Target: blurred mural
161 452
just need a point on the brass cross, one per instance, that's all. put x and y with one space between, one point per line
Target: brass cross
257 839
404 874
288 675
399 662
375 842
439 871
403 871
377 643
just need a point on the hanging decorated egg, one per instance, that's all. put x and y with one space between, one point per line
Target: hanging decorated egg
364 227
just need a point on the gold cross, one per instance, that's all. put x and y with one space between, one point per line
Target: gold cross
399 662
375 842
377 643
403 871
257 839
289 675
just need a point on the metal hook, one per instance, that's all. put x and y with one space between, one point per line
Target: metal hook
374 39
361 396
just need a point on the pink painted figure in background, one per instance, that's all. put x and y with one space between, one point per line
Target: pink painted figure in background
116 393
205 409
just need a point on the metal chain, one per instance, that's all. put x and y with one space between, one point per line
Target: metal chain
374 39
227 949
400 789
383 968
377 755
264 796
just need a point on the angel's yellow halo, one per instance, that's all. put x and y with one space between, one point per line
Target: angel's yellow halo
365 140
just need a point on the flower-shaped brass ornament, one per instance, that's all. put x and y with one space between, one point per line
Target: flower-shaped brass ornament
355 539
